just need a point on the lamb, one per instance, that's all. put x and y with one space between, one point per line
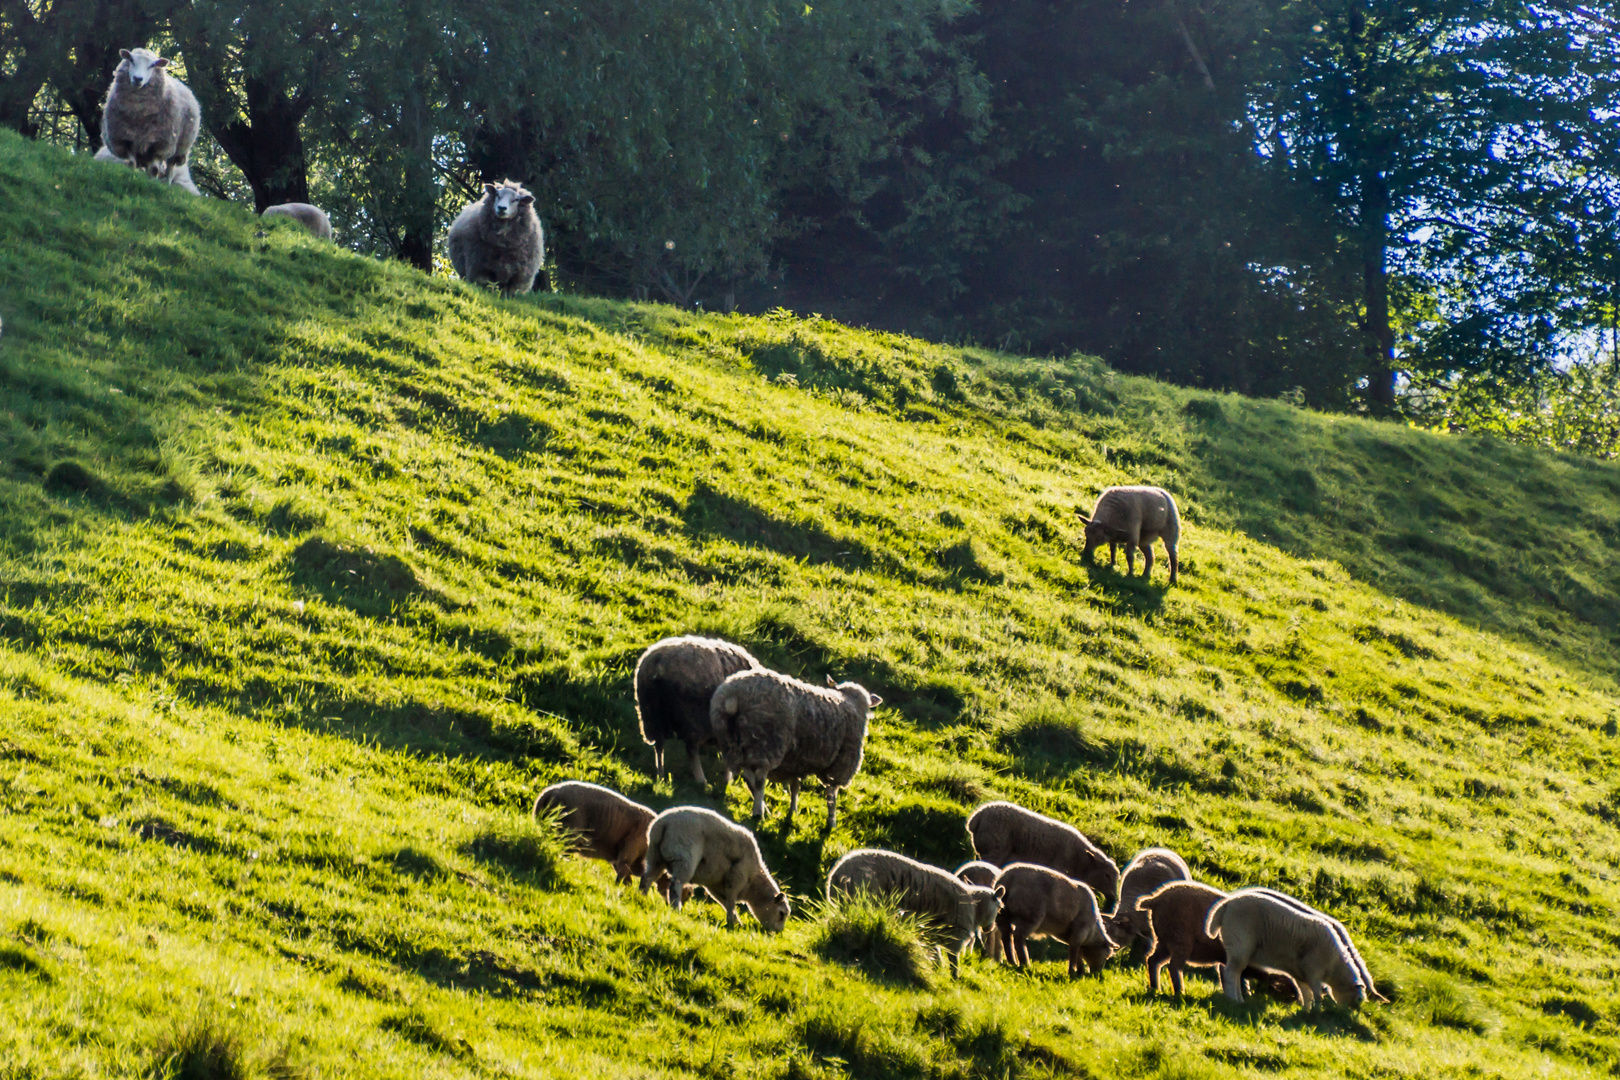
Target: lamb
978 872
1003 833
610 827
310 217
772 726
675 678
151 119
1177 915
1135 517
498 239
179 176
1151 869
697 846
1339 932
963 911
1039 901
1276 934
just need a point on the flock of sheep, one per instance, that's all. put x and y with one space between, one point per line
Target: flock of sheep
151 121
1033 876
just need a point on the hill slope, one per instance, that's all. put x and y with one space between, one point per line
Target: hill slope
313 571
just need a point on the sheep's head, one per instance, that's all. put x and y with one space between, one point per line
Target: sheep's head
508 199
1098 871
1345 982
987 905
856 693
773 913
1122 926
142 66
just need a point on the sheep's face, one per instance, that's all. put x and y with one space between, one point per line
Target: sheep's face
773 914
858 694
143 66
508 200
1101 873
988 908
1346 985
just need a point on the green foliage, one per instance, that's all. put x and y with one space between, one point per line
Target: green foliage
371 558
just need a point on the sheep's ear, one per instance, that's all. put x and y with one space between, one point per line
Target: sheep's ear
779 897
1001 890
489 189
162 61
876 701
1082 515
124 53
526 200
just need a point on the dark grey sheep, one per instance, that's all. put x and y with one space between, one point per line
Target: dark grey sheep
151 118
498 240
675 678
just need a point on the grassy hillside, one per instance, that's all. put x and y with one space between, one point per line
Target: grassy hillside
313 571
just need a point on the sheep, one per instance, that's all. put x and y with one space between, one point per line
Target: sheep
151 119
1038 901
772 726
1150 869
610 827
962 910
979 872
697 846
1177 915
498 239
1339 932
1280 935
674 680
1135 517
179 177
310 217
1003 833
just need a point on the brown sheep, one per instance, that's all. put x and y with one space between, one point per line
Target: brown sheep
1003 833
1177 916
609 826
1039 902
1135 517
1151 869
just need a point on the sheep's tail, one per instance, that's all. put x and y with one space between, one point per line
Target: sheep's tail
1217 915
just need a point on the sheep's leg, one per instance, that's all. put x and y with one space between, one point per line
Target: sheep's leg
832 808
697 766
956 960
793 802
1157 960
658 761
1074 960
1130 556
1113 555
1175 977
1232 976
1147 559
1022 943
755 779
1307 998
1170 551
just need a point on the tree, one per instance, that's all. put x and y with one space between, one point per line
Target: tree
1462 145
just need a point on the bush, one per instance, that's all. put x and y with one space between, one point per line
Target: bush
871 934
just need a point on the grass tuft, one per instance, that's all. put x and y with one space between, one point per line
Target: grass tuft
1438 1000
871 934
527 849
206 1045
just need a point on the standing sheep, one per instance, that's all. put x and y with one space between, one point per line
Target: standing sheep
179 176
699 847
1146 873
1275 935
1339 932
498 239
151 119
1135 517
610 827
310 217
1038 902
773 726
675 679
1004 832
962 910
1177 916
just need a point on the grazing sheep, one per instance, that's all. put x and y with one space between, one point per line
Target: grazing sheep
1004 832
772 726
962 910
151 118
1339 932
699 847
1178 913
498 239
310 217
978 872
1039 901
610 827
179 176
1279 935
1151 869
675 678
1135 517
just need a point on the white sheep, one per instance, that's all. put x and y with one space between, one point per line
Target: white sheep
1270 933
1135 517
961 910
310 217
1339 931
772 726
179 177
151 119
696 846
498 239
674 682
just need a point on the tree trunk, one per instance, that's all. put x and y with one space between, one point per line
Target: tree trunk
35 52
421 198
268 146
1375 278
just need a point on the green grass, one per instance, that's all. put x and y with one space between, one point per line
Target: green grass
313 571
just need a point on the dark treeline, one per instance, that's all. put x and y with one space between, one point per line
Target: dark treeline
1361 203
